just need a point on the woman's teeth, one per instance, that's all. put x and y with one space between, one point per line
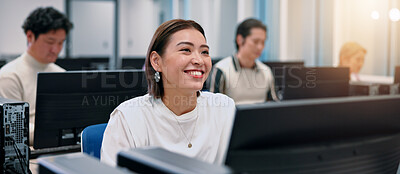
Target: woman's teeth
195 73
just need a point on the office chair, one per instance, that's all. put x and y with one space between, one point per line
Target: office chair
92 138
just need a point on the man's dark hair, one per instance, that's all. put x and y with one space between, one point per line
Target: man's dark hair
42 20
245 27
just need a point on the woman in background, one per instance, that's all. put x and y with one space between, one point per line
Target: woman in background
352 55
174 115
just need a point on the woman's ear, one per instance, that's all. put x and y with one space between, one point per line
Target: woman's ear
155 60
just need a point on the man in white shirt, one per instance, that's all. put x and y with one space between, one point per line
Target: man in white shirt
241 76
46 30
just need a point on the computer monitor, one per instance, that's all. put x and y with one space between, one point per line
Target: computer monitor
279 65
75 163
314 82
87 63
159 160
133 63
67 102
331 135
277 69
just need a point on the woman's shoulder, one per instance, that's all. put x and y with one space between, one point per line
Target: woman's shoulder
135 103
218 106
216 99
207 94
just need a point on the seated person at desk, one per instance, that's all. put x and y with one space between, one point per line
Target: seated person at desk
46 30
241 76
352 55
175 115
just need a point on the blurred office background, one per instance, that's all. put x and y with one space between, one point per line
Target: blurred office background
298 30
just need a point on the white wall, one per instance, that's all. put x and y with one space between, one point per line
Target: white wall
92 34
324 23
354 23
139 20
316 29
219 19
309 30
395 57
301 31
227 28
245 9
12 16
205 13
93 31
272 21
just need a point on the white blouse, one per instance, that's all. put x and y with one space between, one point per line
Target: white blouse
145 121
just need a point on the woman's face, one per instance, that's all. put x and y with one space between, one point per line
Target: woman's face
356 62
185 63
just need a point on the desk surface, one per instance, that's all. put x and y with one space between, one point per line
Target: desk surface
35 153
34 166
73 163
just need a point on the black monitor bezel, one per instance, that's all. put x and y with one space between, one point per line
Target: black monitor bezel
110 87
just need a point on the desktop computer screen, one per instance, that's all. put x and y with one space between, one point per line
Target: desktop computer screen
314 82
277 69
67 102
75 163
133 63
159 160
87 63
332 135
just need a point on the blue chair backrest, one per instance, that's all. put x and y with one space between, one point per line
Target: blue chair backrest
92 138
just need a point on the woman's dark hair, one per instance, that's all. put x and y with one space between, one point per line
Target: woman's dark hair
158 44
42 20
245 27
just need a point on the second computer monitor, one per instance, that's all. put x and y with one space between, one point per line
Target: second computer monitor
314 82
67 102
335 135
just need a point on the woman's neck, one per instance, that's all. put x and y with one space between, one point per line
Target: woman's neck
245 62
179 103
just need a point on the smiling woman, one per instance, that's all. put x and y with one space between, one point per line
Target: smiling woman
175 115
184 64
